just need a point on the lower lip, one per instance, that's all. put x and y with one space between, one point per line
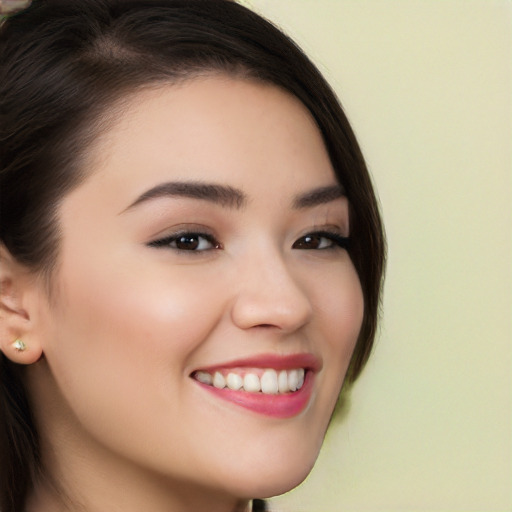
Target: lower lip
277 406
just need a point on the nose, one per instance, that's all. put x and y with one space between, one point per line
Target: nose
270 295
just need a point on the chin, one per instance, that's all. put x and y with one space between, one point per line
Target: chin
281 484
277 483
264 479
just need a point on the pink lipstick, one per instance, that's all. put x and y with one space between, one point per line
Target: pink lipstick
270 384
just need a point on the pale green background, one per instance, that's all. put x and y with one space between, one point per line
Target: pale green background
428 88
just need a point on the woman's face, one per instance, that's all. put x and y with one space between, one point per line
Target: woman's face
207 241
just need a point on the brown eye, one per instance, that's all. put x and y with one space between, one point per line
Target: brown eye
321 241
312 242
187 242
192 242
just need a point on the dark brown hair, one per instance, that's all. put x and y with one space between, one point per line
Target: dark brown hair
63 65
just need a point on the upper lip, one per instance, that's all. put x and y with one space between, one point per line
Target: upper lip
276 361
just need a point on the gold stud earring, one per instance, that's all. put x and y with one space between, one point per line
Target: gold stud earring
19 345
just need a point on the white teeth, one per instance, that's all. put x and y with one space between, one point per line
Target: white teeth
301 378
204 377
293 380
282 381
234 381
269 382
252 383
219 381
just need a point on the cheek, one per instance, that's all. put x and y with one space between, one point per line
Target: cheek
339 310
348 316
137 307
121 335
339 306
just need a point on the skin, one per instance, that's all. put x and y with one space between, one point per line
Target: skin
124 426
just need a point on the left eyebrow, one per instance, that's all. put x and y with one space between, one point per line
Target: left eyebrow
318 196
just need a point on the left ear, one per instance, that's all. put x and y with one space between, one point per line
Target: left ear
19 289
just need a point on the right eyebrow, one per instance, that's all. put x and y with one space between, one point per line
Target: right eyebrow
223 195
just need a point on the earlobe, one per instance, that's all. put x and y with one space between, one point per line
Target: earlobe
18 340
20 352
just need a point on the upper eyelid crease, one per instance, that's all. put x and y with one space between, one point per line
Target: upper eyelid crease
230 197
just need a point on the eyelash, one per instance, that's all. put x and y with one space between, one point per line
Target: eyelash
336 240
165 243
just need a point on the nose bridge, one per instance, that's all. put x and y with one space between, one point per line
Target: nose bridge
270 293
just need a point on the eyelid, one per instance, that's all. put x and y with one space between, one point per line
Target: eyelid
182 228
328 230
334 234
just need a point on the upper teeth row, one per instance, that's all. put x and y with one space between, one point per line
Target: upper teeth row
271 382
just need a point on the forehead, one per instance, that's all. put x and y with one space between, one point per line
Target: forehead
252 135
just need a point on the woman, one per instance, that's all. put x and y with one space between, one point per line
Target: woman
191 257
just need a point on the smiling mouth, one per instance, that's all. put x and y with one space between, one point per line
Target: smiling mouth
266 381
273 385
